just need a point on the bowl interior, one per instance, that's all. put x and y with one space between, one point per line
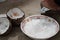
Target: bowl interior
3 25
37 17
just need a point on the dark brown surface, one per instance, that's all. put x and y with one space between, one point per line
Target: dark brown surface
30 7
15 34
50 4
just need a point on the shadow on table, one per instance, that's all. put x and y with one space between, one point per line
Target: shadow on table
12 35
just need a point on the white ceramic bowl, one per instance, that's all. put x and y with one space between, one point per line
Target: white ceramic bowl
37 17
5 29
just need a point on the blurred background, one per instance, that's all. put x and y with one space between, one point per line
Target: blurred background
30 7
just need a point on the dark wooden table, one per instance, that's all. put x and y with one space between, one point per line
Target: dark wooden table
30 7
